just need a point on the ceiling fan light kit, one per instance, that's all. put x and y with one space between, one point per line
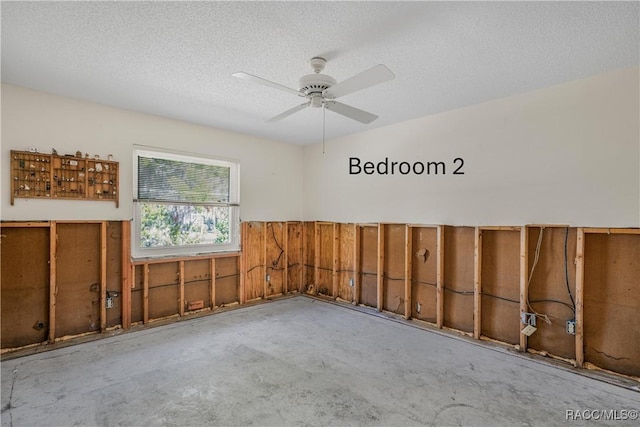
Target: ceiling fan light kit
321 90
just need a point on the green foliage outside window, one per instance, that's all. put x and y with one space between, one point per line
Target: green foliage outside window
177 225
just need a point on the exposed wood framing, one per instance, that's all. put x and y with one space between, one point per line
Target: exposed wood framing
477 280
303 262
580 298
145 293
181 288
357 285
612 230
53 285
524 279
103 276
408 258
500 228
340 263
150 261
316 261
212 283
334 253
285 272
440 276
18 224
380 270
264 259
243 265
127 279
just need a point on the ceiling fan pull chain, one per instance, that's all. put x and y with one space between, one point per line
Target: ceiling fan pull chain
323 125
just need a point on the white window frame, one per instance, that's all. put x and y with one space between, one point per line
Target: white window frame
184 250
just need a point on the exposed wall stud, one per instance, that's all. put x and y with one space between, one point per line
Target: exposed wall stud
380 269
127 279
303 273
264 259
357 288
103 276
334 253
243 264
181 288
145 293
53 285
212 288
408 262
477 281
440 276
316 262
524 279
580 298
285 272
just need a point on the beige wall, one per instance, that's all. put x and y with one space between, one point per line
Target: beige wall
271 187
567 154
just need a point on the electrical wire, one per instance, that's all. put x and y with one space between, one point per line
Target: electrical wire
459 292
533 267
566 269
277 261
484 294
254 267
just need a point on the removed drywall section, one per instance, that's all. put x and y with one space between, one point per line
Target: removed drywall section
137 294
612 301
393 281
500 285
164 280
275 256
309 256
324 265
78 279
114 273
552 288
424 273
346 261
294 258
255 263
458 278
197 284
368 267
24 285
227 280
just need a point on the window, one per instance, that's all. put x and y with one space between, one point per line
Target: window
184 204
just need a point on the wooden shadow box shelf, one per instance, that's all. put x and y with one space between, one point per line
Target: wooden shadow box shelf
49 176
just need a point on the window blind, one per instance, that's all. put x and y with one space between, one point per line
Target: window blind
176 181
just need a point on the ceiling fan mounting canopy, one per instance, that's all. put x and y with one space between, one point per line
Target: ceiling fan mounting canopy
322 90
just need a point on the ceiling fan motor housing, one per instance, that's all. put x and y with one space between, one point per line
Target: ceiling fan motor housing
312 86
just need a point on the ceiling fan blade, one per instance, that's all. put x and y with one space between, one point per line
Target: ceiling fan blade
250 77
371 77
289 112
350 112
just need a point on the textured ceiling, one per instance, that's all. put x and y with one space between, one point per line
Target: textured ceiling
175 59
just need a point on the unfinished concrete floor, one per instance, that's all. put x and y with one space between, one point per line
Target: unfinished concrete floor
295 361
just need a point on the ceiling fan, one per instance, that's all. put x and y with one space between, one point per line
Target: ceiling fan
321 90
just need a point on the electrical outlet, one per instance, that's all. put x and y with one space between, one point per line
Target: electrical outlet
109 302
571 327
528 330
268 278
351 282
